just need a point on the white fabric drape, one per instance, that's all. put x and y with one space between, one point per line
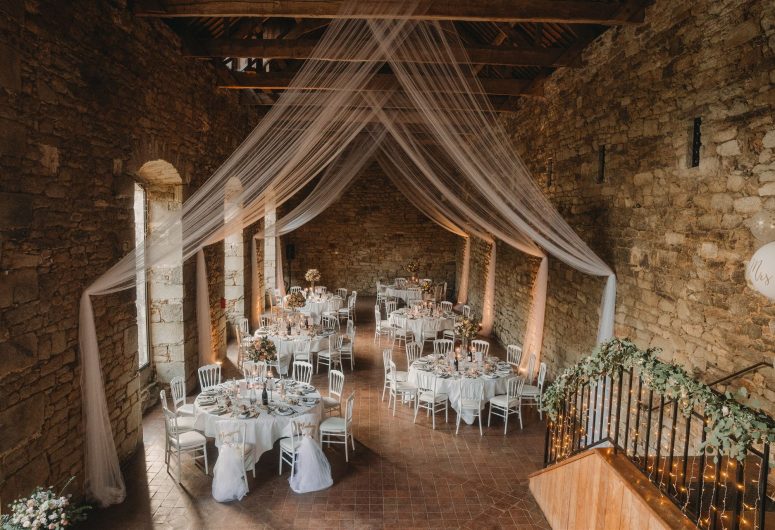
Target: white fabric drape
534 328
469 162
462 295
488 300
256 290
203 311
278 264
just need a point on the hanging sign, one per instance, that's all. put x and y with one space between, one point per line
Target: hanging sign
760 272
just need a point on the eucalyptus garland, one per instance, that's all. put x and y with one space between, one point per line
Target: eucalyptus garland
731 426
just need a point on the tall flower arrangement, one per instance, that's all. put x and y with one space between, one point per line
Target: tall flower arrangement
43 509
467 327
295 301
312 276
263 350
413 266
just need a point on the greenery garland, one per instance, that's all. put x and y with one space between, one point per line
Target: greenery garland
731 426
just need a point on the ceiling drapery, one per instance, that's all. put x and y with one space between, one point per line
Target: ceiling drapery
443 134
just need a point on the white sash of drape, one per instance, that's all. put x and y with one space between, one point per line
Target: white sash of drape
203 311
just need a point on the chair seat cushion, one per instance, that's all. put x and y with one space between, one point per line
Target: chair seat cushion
331 403
186 410
288 445
402 386
325 354
500 401
429 398
333 424
189 439
401 376
473 404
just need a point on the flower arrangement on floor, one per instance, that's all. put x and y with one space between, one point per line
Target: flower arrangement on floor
413 266
43 509
731 426
295 301
426 286
262 350
467 327
312 276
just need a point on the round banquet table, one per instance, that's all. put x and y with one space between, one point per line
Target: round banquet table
403 293
262 431
315 308
425 323
450 385
286 346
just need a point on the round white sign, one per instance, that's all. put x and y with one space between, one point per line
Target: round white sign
760 272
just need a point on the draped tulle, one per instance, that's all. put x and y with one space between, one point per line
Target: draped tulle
228 481
313 472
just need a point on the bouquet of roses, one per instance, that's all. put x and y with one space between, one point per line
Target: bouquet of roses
43 509
467 328
413 266
295 300
312 275
263 350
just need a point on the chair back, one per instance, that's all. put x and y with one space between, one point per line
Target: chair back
295 289
329 322
378 318
244 326
514 388
531 367
266 321
350 330
163 399
249 368
467 311
336 384
390 306
413 350
209 376
481 346
238 335
302 371
392 372
231 432
349 408
443 346
541 375
387 356
513 354
342 293
414 293
170 422
351 300
400 282
302 350
426 382
178 390
446 306
335 304
471 390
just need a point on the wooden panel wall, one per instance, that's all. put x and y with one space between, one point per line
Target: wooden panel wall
598 489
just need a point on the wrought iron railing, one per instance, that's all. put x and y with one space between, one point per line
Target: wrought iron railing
667 446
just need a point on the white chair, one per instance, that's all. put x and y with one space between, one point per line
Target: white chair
209 376
346 350
390 306
448 334
348 312
503 405
399 388
332 356
429 398
185 423
481 346
232 433
413 293
513 355
334 305
329 322
400 330
244 326
255 369
333 402
302 351
467 311
302 371
443 347
178 390
290 446
381 327
534 393
446 306
387 357
470 399
342 293
321 289
429 331
295 289
266 321
413 351
179 442
339 430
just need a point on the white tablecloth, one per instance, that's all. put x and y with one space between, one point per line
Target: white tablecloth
263 431
420 324
315 309
451 387
402 293
286 346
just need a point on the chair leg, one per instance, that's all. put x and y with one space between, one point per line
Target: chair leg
280 471
506 422
457 429
204 450
434 415
479 415
489 415
395 398
178 466
346 454
352 440
416 409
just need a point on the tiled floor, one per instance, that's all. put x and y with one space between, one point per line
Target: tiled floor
402 475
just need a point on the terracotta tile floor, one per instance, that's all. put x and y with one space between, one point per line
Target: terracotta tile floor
402 475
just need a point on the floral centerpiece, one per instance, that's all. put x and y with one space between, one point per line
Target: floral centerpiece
295 301
312 276
413 266
262 350
467 328
426 286
43 509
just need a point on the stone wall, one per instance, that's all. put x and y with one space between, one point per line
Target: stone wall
88 94
370 233
675 235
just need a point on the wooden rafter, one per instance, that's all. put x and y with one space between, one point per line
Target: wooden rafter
380 82
305 49
552 11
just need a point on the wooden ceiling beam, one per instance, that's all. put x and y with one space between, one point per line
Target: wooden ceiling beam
380 82
305 49
550 11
